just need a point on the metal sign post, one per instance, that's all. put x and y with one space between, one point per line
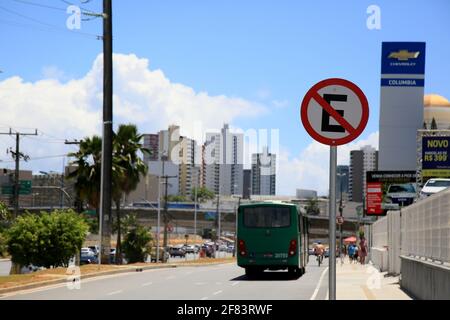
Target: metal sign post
332 224
334 112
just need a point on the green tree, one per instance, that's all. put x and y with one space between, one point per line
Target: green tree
48 239
136 244
5 221
312 207
433 124
5 216
203 194
176 198
88 171
87 177
3 245
126 148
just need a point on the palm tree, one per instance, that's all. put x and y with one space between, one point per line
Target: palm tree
88 171
126 148
88 177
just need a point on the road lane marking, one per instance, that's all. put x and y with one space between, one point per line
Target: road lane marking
217 292
170 277
147 284
313 297
200 283
114 292
235 284
204 298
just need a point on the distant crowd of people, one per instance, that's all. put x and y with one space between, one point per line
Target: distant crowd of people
356 253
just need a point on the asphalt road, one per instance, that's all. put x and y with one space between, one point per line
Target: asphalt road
218 282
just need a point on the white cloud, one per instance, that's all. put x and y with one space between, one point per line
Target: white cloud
310 169
72 109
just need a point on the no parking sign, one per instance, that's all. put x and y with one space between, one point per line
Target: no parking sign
334 111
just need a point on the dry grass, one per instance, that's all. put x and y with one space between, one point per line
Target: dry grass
51 274
61 273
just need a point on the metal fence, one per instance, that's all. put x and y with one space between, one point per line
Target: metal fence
425 228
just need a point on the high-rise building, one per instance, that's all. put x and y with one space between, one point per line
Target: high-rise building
189 169
168 140
247 190
222 162
342 180
361 161
151 142
263 173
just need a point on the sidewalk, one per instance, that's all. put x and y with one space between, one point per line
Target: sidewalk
358 282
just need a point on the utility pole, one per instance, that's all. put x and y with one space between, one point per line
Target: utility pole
166 214
106 179
17 155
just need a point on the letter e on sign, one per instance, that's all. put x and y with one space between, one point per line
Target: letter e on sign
334 111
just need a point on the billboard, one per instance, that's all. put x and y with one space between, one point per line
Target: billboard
401 103
435 157
389 190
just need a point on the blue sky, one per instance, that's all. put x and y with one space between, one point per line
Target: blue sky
267 52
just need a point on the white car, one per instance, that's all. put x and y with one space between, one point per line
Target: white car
87 252
433 186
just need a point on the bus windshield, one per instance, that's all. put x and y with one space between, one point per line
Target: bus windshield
267 217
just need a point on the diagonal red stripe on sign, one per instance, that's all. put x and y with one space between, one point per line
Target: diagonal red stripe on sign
344 123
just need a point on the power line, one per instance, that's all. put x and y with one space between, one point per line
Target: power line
39 5
58 28
37 158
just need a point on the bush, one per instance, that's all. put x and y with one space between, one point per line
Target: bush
92 223
136 244
48 239
3 250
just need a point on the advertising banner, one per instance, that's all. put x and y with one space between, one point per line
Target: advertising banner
435 157
389 190
401 103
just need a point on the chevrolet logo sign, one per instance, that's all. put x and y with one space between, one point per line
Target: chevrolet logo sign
404 55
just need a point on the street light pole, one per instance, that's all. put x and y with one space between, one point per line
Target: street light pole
159 220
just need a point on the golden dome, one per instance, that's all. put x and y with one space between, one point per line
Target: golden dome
431 100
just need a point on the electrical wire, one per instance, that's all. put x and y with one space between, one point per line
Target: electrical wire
35 159
39 5
58 28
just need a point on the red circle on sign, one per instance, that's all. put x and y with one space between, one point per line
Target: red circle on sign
314 91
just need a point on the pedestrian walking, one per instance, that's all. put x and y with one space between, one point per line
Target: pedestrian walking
352 252
362 252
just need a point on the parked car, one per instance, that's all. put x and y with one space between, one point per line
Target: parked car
230 248
189 249
311 252
87 251
433 186
177 252
95 249
399 195
88 259
327 253
162 254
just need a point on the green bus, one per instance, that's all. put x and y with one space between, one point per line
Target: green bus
271 235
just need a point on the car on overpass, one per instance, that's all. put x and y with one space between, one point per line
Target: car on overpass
433 186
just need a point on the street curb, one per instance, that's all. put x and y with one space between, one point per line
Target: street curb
100 274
